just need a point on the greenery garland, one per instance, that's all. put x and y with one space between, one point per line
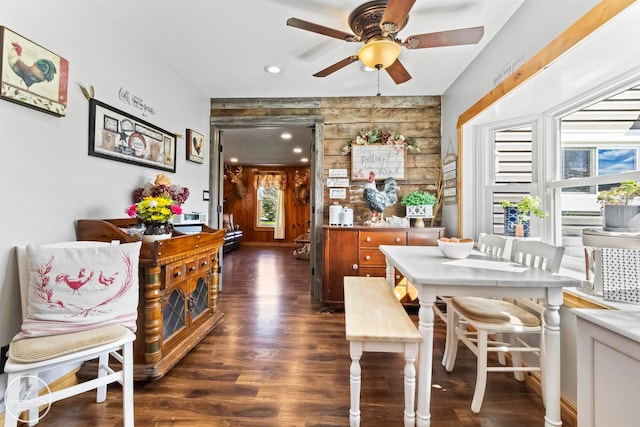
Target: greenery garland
381 136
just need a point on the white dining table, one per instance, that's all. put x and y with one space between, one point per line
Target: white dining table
486 276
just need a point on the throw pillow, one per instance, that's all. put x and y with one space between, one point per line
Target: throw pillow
73 289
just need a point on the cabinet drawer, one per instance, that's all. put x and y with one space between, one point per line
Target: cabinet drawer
191 267
377 238
175 273
424 239
372 257
372 271
204 262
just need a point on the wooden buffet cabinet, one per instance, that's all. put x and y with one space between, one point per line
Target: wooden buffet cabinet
353 251
178 292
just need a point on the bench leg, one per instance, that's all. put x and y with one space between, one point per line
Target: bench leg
355 351
410 353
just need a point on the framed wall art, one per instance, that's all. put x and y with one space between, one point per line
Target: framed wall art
385 161
195 146
116 135
32 75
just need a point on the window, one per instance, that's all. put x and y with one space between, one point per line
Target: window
269 213
600 145
513 169
266 208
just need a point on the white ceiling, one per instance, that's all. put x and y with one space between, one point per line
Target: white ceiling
223 47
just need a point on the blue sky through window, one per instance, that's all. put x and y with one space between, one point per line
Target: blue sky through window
612 161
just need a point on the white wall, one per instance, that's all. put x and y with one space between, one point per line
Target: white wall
532 27
47 178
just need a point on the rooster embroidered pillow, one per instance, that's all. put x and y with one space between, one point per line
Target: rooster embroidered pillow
78 287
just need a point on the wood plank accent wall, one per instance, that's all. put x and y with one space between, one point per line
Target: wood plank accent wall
343 117
297 214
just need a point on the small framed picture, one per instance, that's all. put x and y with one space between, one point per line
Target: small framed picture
195 146
32 75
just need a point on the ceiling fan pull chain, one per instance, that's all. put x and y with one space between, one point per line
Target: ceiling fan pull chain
378 67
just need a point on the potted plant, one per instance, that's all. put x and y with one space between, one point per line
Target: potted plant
419 205
517 215
618 211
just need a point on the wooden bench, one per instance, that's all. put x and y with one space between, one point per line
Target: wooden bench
376 321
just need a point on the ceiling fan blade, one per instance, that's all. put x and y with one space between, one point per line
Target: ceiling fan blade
326 31
395 14
445 38
398 73
337 66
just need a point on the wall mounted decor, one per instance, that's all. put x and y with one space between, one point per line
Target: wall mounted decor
195 146
32 75
116 135
386 161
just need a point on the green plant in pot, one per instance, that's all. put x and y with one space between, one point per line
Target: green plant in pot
522 212
419 205
619 212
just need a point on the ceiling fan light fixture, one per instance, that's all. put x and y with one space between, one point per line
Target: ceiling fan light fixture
379 53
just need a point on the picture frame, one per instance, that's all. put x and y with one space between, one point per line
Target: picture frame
32 76
385 161
195 146
119 136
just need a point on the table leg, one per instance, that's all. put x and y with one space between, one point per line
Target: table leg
551 364
425 326
355 379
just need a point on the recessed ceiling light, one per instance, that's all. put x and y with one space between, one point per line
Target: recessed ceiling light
272 69
233 160
304 160
285 135
297 150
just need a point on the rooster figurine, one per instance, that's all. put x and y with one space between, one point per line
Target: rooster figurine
378 200
41 70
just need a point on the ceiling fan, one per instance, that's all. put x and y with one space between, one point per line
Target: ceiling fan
376 23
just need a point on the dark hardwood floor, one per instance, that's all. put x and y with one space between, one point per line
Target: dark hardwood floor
278 359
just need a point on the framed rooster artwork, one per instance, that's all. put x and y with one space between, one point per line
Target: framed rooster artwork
195 146
32 75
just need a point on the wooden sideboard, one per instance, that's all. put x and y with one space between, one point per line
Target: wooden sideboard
353 251
178 292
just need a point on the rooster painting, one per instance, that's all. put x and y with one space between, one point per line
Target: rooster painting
41 70
378 200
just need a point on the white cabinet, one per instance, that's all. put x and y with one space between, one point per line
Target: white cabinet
608 367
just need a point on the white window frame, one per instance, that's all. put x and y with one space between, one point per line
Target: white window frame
555 181
485 165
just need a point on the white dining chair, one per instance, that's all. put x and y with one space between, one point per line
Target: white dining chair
489 244
31 359
488 317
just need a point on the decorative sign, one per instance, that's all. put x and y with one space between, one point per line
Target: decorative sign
337 193
337 173
130 99
385 161
338 182
508 69
450 177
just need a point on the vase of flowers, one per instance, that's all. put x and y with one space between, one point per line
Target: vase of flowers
162 187
155 213
517 215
